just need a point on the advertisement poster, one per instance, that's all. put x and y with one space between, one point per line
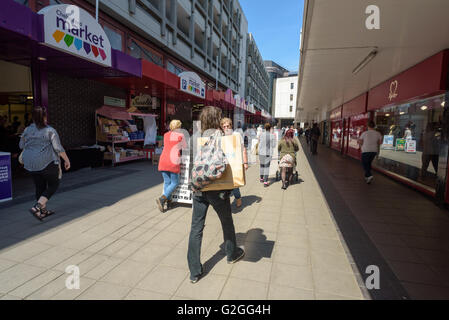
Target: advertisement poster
410 146
182 193
400 144
388 142
5 177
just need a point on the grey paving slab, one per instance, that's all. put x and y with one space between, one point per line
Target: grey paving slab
17 275
105 291
240 289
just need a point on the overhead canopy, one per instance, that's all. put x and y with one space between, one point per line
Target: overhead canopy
119 113
335 40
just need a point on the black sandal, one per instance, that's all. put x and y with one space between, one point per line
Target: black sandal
46 212
36 211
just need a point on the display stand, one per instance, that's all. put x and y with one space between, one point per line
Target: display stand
111 125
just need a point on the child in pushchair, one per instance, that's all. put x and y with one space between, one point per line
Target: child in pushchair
292 173
287 149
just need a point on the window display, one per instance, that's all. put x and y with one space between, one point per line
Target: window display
411 140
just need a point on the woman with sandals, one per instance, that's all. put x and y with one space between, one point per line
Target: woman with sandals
41 155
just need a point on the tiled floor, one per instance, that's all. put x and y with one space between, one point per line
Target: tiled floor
404 231
126 249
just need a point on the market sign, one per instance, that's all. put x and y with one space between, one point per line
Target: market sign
192 84
388 143
400 144
73 30
410 146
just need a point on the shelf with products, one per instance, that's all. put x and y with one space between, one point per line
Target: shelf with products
122 133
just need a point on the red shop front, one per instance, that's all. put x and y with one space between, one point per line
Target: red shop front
355 123
409 110
336 129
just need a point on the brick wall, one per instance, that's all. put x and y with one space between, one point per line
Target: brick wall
71 107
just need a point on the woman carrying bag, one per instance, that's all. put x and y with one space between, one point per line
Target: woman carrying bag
209 165
170 162
41 155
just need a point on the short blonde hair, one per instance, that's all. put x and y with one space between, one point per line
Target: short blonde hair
175 124
225 120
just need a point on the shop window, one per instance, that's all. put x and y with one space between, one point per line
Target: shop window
114 37
139 52
411 139
174 68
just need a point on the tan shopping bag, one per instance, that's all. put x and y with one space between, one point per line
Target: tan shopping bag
234 175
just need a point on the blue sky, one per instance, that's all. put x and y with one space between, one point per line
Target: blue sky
276 26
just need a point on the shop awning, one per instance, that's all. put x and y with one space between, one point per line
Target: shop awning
120 113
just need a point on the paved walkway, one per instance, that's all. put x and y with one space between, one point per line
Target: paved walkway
388 225
126 249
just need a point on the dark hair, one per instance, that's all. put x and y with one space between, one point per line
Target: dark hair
39 115
371 124
210 118
267 126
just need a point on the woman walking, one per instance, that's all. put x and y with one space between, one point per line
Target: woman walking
287 148
170 162
266 146
220 200
41 155
226 126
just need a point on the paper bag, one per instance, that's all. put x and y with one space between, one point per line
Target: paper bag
234 175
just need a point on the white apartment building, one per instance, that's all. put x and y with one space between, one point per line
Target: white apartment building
285 92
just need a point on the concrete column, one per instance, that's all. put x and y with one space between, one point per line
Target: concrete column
40 83
164 18
175 20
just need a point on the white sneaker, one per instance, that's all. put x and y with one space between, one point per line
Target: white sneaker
369 179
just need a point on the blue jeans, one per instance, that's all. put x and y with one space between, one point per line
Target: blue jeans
219 200
171 181
236 193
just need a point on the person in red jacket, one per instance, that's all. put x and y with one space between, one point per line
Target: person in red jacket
170 161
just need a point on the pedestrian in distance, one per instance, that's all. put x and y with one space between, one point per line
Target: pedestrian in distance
267 144
220 200
170 162
226 126
315 134
307 134
41 155
287 148
369 142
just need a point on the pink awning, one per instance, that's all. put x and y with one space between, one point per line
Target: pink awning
120 113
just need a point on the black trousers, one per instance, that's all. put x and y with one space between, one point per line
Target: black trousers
219 200
313 146
46 181
367 159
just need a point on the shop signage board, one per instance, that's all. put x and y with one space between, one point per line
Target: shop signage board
142 100
182 193
72 29
192 84
388 143
410 146
114 102
5 177
400 144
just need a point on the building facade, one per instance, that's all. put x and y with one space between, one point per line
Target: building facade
285 93
274 71
257 80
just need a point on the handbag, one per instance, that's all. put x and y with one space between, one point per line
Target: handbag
209 164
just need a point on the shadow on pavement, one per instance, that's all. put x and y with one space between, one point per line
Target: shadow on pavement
360 246
247 201
255 244
79 198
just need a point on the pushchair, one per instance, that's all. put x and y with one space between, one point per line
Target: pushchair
295 171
